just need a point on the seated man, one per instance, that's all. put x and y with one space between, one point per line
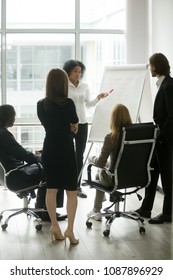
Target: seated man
12 155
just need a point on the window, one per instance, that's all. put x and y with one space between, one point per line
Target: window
102 14
29 59
40 35
0 12
97 51
39 14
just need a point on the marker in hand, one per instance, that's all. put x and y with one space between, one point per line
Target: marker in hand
103 95
111 91
107 93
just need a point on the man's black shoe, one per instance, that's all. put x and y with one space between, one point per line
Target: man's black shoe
85 184
81 194
160 219
144 213
44 216
61 217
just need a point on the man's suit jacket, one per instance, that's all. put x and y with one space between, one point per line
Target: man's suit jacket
163 110
12 154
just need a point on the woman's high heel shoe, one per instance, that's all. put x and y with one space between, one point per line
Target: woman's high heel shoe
70 236
56 234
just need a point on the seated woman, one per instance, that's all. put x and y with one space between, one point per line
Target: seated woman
120 116
12 155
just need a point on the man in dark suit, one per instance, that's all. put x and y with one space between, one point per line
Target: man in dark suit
163 158
12 155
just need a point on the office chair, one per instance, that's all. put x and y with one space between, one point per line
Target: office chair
131 173
25 192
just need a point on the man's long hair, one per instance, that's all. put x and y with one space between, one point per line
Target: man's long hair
160 64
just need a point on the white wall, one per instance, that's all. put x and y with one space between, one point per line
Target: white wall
161 27
149 30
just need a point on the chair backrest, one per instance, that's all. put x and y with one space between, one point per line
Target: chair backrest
1 175
132 167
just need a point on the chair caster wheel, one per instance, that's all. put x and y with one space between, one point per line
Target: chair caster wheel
142 230
1 217
38 227
88 224
107 218
4 226
106 232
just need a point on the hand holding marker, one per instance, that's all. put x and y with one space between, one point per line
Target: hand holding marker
103 95
109 92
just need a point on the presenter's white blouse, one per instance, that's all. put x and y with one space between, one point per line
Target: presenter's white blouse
81 98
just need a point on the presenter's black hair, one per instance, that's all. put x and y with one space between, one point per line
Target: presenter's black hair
71 64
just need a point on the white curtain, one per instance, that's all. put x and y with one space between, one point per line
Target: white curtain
137 31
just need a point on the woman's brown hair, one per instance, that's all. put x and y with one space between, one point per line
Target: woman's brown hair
56 87
120 116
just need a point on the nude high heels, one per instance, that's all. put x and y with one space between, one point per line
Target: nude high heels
70 236
56 234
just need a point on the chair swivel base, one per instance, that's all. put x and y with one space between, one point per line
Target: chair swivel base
110 217
27 211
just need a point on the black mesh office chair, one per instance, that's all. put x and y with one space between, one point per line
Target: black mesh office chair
131 173
25 191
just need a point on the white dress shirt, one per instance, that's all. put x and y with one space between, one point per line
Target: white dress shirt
81 98
159 81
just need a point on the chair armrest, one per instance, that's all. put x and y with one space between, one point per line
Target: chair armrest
34 170
23 166
89 170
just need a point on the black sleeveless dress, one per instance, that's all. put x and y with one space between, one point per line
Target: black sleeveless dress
58 156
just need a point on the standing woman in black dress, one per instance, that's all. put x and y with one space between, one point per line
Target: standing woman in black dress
58 116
